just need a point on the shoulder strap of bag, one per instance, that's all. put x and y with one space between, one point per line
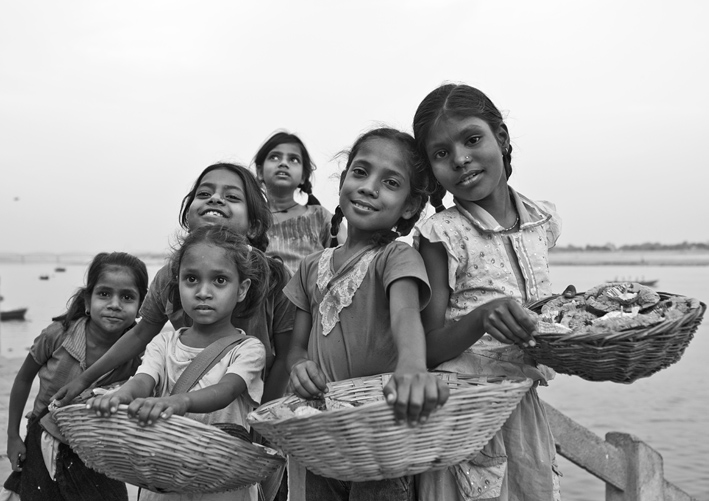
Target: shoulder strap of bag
204 361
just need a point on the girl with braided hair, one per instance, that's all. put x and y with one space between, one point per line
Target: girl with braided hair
283 166
358 304
486 256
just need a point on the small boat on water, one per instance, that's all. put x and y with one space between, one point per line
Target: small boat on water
18 314
44 277
59 269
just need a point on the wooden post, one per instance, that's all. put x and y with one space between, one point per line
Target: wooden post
645 480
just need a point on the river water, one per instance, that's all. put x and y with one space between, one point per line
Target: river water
668 410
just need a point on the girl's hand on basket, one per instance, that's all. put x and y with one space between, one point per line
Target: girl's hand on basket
509 322
105 405
16 452
307 380
149 410
414 395
69 392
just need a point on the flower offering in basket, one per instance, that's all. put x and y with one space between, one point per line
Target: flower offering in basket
616 332
352 434
173 455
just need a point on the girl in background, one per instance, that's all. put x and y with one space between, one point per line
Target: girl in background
486 257
227 195
283 166
215 270
358 305
97 316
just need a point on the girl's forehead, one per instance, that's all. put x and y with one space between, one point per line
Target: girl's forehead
291 148
448 125
116 276
203 253
383 153
222 177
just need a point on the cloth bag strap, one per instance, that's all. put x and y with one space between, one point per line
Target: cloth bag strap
204 361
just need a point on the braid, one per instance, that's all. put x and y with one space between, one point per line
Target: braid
437 198
384 237
335 226
507 157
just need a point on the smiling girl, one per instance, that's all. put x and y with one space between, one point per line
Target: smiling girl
98 315
486 257
227 195
359 303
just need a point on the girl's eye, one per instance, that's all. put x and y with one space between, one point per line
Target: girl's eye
220 280
358 171
392 183
295 160
203 194
102 294
128 298
232 198
473 140
273 157
190 279
439 155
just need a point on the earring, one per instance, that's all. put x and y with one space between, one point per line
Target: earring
88 313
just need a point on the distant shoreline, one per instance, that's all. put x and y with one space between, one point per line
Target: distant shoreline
556 258
628 258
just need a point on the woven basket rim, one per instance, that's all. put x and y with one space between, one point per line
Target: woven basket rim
490 384
247 463
185 421
367 443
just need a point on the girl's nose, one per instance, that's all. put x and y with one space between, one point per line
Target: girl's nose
462 157
115 303
369 189
216 198
204 292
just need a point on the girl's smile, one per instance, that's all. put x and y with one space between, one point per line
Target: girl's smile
220 199
466 157
375 191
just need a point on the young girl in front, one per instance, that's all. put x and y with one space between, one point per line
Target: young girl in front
283 166
97 316
228 195
215 269
486 256
358 305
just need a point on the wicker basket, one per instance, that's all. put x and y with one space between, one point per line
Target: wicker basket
173 455
620 357
365 443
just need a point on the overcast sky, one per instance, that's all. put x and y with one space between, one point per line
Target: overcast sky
109 110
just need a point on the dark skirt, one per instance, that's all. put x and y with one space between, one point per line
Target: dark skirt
74 480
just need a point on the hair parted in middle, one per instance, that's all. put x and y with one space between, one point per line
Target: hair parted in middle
456 101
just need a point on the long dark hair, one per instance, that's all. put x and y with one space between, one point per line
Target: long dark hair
456 101
78 303
418 173
259 216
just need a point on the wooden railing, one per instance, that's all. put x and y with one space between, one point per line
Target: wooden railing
631 469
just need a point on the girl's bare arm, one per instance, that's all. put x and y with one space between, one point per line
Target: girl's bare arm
129 346
503 318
